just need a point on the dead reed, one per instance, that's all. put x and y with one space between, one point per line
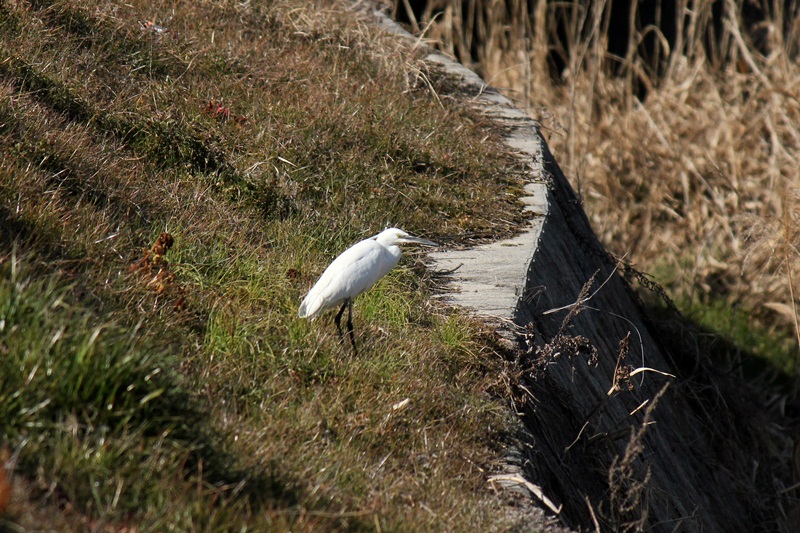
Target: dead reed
684 145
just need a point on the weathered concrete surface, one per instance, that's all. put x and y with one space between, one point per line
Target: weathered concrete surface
580 445
490 279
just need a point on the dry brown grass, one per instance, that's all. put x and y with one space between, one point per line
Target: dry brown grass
697 182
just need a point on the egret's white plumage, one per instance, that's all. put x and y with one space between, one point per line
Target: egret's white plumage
357 269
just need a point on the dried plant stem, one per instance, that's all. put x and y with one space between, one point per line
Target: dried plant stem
789 272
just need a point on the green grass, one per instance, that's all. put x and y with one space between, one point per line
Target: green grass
747 341
739 340
98 409
186 394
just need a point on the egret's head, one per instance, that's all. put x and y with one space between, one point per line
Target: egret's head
393 236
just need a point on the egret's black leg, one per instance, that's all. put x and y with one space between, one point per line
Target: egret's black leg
350 325
338 320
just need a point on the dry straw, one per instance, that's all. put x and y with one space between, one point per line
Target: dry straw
694 182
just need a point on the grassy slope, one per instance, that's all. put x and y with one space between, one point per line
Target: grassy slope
178 390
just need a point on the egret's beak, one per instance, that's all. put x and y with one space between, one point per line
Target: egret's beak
417 240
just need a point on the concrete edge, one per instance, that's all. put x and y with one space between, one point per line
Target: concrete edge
488 280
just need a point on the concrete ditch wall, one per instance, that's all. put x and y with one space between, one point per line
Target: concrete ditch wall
662 451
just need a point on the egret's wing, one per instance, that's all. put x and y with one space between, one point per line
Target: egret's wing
366 270
350 274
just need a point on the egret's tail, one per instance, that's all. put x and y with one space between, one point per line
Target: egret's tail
309 307
303 311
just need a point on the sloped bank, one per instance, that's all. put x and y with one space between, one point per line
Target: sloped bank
626 426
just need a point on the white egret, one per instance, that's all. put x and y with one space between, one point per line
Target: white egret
357 269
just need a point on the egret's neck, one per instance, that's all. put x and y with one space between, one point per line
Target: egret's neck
394 251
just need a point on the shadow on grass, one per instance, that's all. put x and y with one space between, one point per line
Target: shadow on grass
97 413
